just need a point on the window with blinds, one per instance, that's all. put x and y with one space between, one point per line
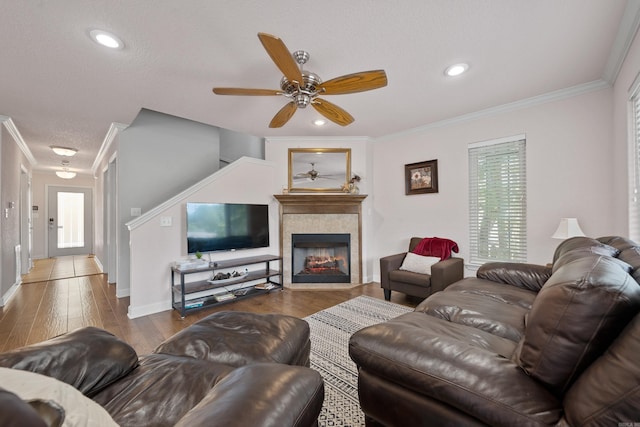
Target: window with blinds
498 201
634 163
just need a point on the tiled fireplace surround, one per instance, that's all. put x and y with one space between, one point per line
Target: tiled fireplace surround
321 213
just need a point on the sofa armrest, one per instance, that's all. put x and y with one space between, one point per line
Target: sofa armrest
388 264
260 395
89 359
526 276
446 272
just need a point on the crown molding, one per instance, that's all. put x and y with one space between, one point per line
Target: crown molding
626 33
15 133
325 139
506 108
109 138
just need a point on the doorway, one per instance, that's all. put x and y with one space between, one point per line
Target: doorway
70 221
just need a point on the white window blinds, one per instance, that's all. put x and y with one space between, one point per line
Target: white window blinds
498 201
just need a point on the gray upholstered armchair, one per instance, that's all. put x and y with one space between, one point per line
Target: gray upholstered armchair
443 273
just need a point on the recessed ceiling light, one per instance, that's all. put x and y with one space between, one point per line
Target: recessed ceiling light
319 122
456 70
64 151
107 39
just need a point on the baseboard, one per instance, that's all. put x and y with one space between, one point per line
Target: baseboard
145 310
122 293
7 296
98 263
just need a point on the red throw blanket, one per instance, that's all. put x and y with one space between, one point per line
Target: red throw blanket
436 246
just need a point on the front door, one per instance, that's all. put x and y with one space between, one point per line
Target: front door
70 221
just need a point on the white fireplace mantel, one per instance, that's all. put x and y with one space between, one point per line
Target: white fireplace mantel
321 213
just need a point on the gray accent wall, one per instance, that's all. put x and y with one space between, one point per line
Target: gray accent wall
159 156
11 159
234 145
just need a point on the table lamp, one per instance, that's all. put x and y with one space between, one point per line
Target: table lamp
568 227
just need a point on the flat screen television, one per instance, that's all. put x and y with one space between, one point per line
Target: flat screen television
226 226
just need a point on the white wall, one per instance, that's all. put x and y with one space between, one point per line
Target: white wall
569 174
155 248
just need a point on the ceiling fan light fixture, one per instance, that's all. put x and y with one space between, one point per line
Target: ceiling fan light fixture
456 69
302 100
64 151
107 39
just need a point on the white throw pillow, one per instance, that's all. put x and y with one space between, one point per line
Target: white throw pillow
418 263
80 411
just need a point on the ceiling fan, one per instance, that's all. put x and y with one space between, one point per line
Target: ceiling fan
304 88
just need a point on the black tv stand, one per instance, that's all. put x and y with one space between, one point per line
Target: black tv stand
213 292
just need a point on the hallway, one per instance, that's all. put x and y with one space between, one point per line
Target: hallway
63 267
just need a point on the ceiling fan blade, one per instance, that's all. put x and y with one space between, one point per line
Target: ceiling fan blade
332 112
243 91
356 82
281 56
283 115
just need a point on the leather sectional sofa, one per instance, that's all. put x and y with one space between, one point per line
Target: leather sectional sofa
517 345
228 369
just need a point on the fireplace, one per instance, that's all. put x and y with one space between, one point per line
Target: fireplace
327 214
320 258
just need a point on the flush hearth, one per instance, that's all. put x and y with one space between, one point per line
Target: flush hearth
320 258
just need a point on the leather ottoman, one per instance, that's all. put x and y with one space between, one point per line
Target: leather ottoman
238 338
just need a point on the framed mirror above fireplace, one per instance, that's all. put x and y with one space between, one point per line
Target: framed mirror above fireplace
319 169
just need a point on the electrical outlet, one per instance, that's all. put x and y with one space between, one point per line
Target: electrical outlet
136 211
165 221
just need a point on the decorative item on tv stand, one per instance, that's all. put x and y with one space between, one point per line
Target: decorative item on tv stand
190 264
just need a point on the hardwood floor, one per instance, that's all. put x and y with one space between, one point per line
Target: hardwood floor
44 309
61 268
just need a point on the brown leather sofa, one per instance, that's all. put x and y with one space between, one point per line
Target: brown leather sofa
518 345
228 369
419 285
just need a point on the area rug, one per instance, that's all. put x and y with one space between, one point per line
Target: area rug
330 333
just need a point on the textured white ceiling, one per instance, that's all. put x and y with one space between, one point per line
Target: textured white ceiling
60 88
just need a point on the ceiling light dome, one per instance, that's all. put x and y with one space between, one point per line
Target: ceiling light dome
456 69
65 174
64 151
107 39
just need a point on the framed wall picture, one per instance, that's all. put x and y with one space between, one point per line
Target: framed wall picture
421 177
319 169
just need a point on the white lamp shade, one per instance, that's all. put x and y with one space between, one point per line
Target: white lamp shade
568 227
